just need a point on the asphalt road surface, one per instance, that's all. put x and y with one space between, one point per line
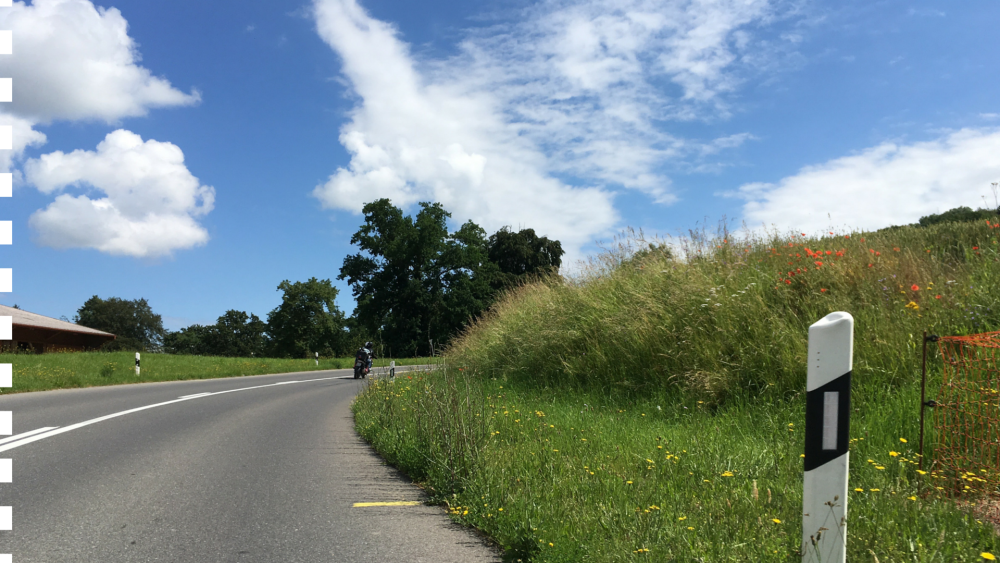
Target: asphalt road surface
253 472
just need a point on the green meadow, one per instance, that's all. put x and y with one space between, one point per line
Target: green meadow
42 372
652 409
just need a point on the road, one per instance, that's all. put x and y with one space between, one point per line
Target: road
266 474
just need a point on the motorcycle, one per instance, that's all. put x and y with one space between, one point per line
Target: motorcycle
360 368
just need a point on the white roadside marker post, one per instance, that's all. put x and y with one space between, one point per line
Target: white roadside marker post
137 363
317 358
828 411
392 369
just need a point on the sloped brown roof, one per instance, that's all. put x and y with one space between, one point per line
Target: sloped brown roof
24 318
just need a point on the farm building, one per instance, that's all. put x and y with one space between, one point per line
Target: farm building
39 333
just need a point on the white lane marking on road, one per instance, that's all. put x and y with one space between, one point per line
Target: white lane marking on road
26 434
57 431
193 396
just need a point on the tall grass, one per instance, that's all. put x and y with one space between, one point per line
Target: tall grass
652 409
62 370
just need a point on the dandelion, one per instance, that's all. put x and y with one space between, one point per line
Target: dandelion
859 490
775 520
903 440
987 556
727 473
911 498
682 518
690 527
894 454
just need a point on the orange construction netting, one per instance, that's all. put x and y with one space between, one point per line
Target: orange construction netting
967 413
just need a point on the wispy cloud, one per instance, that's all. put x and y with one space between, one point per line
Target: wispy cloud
889 184
537 122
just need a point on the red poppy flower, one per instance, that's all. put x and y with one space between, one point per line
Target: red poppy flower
878 254
872 250
862 240
869 265
915 287
803 234
789 282
896 248
818 263
823 290
937 297
975 248
797 255
828 252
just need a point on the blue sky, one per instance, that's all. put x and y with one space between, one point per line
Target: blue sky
198 153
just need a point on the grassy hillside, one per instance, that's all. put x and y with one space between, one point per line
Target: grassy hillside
654 408
41 372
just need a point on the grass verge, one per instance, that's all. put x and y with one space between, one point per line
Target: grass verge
42 372
653 408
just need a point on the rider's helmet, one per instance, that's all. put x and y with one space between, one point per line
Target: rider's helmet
368 345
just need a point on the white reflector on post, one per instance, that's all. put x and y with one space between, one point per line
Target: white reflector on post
828 411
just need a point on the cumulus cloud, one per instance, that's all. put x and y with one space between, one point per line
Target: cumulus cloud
150 200
890 184
538 122
73 61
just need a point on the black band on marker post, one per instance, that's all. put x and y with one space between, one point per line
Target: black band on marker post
815 454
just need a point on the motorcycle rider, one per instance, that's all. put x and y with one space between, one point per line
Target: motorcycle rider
366 355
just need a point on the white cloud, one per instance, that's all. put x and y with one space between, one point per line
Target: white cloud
989 116
73 61
889 184
534 123
150 200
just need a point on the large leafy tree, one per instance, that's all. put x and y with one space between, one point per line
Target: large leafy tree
235 334
132 321
522 256
307 320
414 281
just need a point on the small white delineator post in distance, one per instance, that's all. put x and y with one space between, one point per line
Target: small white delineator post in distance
317 358
137 363
392 368
828 411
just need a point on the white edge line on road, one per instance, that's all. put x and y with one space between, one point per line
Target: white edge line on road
193 396
26 434
42 435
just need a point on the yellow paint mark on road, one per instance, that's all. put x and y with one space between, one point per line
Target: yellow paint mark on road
393 503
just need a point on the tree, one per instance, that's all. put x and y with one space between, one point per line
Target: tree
133 322
414 281
192 340
522 256
307 320
237 334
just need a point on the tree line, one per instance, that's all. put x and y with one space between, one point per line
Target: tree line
416 283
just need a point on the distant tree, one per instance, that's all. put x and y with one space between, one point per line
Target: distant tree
307 320
237 334
522 256
192 340
132 321
414 281
959 214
